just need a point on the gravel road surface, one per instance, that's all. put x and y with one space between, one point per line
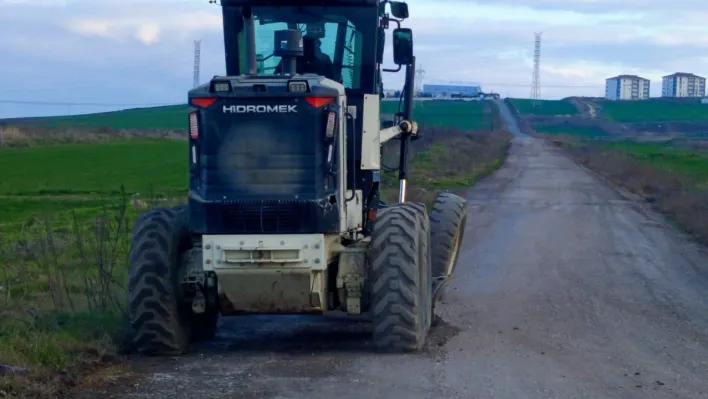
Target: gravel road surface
566 288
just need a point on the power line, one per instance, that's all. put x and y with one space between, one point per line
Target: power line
89 104
514 84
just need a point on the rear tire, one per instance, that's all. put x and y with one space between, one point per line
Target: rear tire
447 227
401 277
158 320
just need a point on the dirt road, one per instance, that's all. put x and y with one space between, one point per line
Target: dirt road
565 289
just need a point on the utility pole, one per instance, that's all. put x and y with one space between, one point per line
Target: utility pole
197 51
536 80
419 75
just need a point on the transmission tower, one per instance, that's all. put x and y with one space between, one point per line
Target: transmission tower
197 51
419 75
536 81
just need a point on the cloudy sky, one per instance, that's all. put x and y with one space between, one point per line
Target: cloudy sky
135 52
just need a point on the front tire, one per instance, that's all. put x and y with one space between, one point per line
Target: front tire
401 276
448 218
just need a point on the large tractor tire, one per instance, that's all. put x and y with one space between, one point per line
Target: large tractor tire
160 322
448 218
401 278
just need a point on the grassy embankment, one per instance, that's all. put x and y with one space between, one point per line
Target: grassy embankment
674 180
653 111
66 214
543 107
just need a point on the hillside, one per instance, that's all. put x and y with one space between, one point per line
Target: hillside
458 114
173 117
653 111
653 119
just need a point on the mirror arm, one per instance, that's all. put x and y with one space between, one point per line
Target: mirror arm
408 134
392 70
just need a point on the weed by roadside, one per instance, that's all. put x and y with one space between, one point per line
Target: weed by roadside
62 298
446 159
25 136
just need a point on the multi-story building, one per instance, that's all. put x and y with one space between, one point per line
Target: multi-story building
683 84
627 87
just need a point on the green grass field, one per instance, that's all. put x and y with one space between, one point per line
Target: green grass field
463 115
460 114
691 163
543 107
653 111
95 167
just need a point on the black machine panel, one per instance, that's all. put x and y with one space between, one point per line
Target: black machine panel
262 165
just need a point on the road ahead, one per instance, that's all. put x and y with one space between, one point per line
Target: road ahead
565 289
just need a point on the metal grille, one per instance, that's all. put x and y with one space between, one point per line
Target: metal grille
264 216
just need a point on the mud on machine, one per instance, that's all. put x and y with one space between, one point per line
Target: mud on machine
283 213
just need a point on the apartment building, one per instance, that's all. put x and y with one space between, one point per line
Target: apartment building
682 84
627 87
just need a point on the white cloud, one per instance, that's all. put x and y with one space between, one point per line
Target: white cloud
91 27
148 29
149 33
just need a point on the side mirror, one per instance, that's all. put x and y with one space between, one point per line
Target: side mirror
402 46
399 9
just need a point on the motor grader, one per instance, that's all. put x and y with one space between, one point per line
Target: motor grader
284 214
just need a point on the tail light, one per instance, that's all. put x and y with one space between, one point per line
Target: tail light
202 102
319 102
331 124
193 126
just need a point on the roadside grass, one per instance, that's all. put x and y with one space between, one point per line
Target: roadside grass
17 212
690 163
674 181
543 107
61 300
32 136
63 280
653 111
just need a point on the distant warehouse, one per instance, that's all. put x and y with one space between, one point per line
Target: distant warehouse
448 91
627 87
683 84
